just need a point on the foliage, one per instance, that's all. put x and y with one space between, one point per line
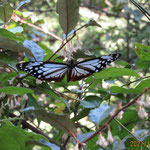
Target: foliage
48 115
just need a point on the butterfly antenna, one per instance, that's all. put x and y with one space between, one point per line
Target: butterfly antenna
141 9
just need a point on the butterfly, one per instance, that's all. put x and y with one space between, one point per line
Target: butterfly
54 71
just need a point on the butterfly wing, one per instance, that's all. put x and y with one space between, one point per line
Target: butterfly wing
86 68
48 71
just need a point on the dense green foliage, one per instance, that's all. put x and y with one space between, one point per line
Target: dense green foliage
107 110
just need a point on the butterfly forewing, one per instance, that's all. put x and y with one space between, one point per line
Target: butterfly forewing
85 68
49 71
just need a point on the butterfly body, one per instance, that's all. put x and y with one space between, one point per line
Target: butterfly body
53 71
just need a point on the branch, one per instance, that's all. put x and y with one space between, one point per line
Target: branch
32 128
117 112
17 18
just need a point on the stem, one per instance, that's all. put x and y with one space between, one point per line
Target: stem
117 112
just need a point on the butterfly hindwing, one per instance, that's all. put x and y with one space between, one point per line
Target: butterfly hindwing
51 71
48 71
86 68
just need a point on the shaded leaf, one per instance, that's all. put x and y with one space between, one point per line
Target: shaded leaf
92 23
7 60
97 115
62 122
51 93
68 11
16 90
82 114
6 12
91 102
116 72
9 41
15 138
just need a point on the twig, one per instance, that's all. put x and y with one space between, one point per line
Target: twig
63 44
141 9
135 81
17 18
32 128
117 112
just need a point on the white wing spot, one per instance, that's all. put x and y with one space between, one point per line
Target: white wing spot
40 71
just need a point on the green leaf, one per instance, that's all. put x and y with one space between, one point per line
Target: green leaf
47 90
16 90
91 102
15 138
117 89
9 41
62 122
6 12
93 23
142 63
7 60
143 84
82 114
143 51
116 72
68 11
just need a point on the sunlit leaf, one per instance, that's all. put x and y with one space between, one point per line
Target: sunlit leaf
143 84
143 51
116 72
97 115
15 90
117 89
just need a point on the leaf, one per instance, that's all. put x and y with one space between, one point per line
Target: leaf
143 84
92 23
22 3
116 72
62 122
143 51
142 63
15 138
117 89
6 12
36 50
7 60
17 29
50 145
91 102
82 137
56 96
68 11
97 115
9 41
82 114
15 90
